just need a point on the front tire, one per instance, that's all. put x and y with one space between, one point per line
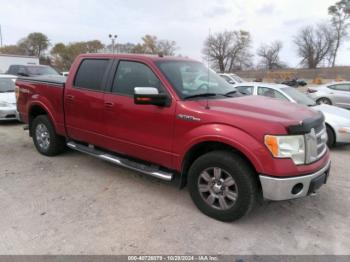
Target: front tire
45 139
222 185
331 137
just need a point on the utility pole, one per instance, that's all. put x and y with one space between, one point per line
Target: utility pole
0 37
113 38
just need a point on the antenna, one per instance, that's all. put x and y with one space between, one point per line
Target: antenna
208 59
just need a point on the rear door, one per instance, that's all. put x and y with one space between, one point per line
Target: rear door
84 101
140 131
341 94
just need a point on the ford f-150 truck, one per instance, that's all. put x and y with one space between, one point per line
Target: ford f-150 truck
150 114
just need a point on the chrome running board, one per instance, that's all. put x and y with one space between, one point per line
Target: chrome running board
120 161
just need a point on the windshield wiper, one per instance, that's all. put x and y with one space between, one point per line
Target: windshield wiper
201 95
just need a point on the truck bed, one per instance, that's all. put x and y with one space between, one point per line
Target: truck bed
44 92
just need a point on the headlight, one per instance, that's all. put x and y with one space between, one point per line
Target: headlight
287 147
4 104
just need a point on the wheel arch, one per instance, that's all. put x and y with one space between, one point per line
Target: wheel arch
201 148
36 110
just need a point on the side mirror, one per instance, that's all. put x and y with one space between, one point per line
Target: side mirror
150 96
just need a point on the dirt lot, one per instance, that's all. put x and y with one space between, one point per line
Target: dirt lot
75 204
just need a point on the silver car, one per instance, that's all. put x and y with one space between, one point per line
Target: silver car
231 78
8 108
337 94
337 119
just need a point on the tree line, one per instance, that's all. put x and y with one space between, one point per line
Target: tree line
316 45
62 55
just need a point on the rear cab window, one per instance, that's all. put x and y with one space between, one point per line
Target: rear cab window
91 74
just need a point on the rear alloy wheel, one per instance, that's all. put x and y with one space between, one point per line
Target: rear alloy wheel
222 185
45 139
324 100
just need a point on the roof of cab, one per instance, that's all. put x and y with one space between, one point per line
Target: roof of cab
137 56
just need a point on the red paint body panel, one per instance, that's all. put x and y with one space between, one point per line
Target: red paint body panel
156 134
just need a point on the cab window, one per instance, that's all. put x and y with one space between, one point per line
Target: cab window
91 73
134 74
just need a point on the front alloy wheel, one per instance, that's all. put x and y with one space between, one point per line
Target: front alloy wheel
222 185
217 188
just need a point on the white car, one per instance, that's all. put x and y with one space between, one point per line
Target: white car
337 119
8 107
231 78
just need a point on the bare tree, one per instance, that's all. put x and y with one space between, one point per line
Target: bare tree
314 44
340 20
228 50
269 54
151 45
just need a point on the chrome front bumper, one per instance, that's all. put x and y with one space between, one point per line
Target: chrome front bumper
293 187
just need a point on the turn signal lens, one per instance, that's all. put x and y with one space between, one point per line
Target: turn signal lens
272 144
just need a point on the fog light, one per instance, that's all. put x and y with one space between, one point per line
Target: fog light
297 188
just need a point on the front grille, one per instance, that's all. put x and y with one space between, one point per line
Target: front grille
10 116
316 143
321 137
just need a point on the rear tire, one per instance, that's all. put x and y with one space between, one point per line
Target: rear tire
331 137
228 196
324 100
45 139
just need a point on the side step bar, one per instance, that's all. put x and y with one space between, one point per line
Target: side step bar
120 161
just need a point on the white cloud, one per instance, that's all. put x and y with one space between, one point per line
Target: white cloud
186 22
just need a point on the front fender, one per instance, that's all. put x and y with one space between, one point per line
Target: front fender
253 149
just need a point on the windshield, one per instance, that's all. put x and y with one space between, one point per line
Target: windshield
7 85
237 78
299 97
193 78
41 70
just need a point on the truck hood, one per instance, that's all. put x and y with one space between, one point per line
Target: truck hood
263 108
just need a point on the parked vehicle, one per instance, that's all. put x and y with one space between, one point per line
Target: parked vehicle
337 93
137 112
337 119
231 78
7 60
8 109
31 70
294 82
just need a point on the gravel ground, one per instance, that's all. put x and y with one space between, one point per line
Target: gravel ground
75 204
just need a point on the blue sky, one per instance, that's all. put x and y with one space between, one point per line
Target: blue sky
185 21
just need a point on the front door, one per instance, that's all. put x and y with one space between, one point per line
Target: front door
140 131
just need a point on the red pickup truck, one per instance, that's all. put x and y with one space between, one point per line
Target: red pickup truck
170 118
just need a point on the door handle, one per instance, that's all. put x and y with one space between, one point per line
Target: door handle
70 97
109 104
